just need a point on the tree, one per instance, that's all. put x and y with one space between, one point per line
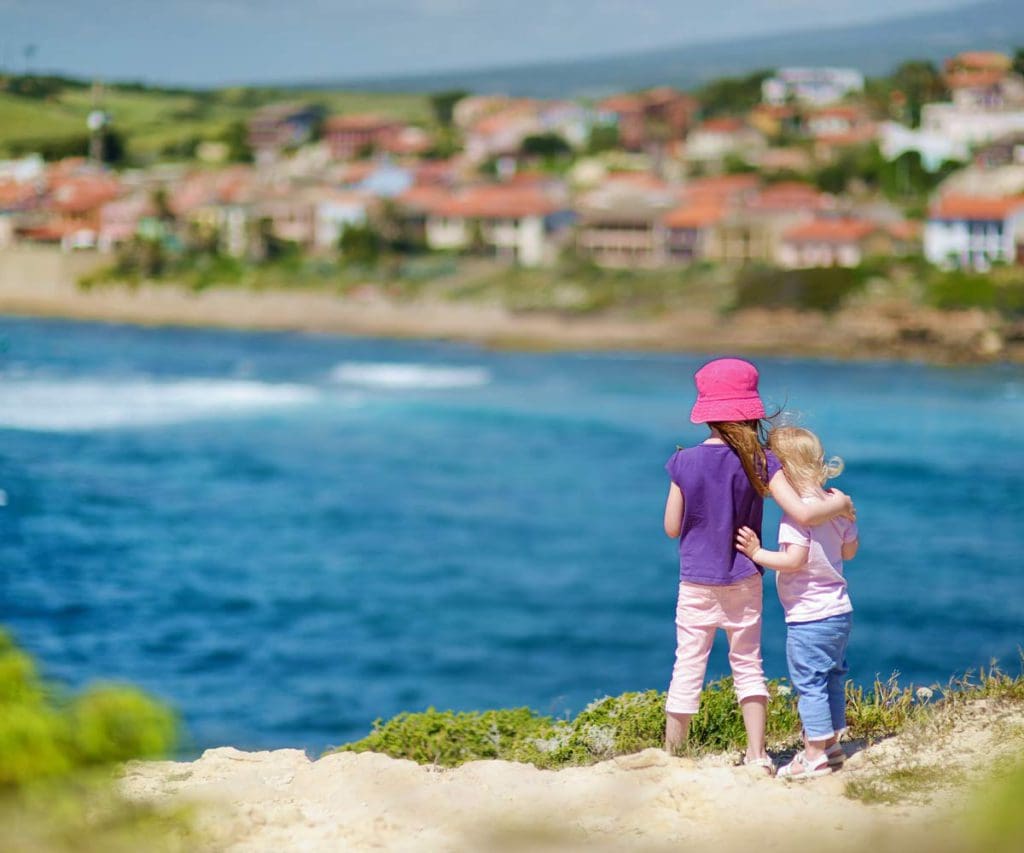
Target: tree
545 145
1018 60
733 94
115 147
360 244
236 137
443 105
603 137
918 81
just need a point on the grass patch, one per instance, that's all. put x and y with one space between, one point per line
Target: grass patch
908 782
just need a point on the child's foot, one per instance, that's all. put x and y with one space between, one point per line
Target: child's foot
802 767
766 764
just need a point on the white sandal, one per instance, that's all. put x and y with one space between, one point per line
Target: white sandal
766 763
836 755
802 768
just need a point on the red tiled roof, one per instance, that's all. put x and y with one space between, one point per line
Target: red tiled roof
980 78
724 124
434 171
424 197
722 186
985 208
621 104
15 194
698 215
82 194
904 229
494 201
979 59
790 195
359 171
645 180
831 231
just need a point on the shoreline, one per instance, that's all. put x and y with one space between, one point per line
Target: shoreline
39 283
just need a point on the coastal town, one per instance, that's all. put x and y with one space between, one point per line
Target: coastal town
823 169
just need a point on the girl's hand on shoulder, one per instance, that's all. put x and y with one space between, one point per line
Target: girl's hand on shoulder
747 542
851 511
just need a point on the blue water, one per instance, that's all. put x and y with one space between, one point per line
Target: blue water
288 536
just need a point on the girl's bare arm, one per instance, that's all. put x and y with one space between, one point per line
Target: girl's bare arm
674 511
792 559
809 514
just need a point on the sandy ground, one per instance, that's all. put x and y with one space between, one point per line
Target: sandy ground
36 282
282 801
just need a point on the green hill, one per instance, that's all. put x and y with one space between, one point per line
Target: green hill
155 122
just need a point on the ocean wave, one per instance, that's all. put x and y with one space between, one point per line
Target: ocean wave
397 376
77 405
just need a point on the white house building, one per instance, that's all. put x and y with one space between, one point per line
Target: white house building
975 232
814 86
523 224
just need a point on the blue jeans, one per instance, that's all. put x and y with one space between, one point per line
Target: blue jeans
816 653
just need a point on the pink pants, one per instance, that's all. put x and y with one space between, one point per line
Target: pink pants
700 612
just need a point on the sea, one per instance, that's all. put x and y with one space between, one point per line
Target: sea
288 536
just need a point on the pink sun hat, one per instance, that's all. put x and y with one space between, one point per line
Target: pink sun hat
726 391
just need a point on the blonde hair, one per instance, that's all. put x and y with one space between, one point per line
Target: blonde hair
746 438
802 457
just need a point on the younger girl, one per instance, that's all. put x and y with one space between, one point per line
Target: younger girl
717 487
812 590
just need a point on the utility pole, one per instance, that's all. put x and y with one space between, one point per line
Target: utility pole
97 122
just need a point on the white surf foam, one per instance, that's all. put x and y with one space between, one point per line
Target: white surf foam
73 405
409 376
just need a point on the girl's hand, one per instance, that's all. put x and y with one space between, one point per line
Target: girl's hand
851 512
747 542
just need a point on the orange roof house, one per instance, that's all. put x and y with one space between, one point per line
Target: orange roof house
976 208
347 136
655 117
703 214
831 242
495 201
975 231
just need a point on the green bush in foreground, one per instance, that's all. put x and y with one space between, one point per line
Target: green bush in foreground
44 736
56 751
618 725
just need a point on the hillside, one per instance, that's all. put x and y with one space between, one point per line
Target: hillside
875 48
155 120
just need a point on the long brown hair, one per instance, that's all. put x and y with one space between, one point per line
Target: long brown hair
747 439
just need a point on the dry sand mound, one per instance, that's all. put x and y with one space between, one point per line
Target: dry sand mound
282 801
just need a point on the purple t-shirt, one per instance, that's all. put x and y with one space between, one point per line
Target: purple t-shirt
717 500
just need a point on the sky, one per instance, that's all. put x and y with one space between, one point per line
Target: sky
218 42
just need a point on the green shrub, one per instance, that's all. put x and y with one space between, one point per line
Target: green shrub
1001 291
43 735
820 289
614 725
54 750
111 724
449 739
618 725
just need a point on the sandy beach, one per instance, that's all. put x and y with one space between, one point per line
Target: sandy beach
43 283
281 800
